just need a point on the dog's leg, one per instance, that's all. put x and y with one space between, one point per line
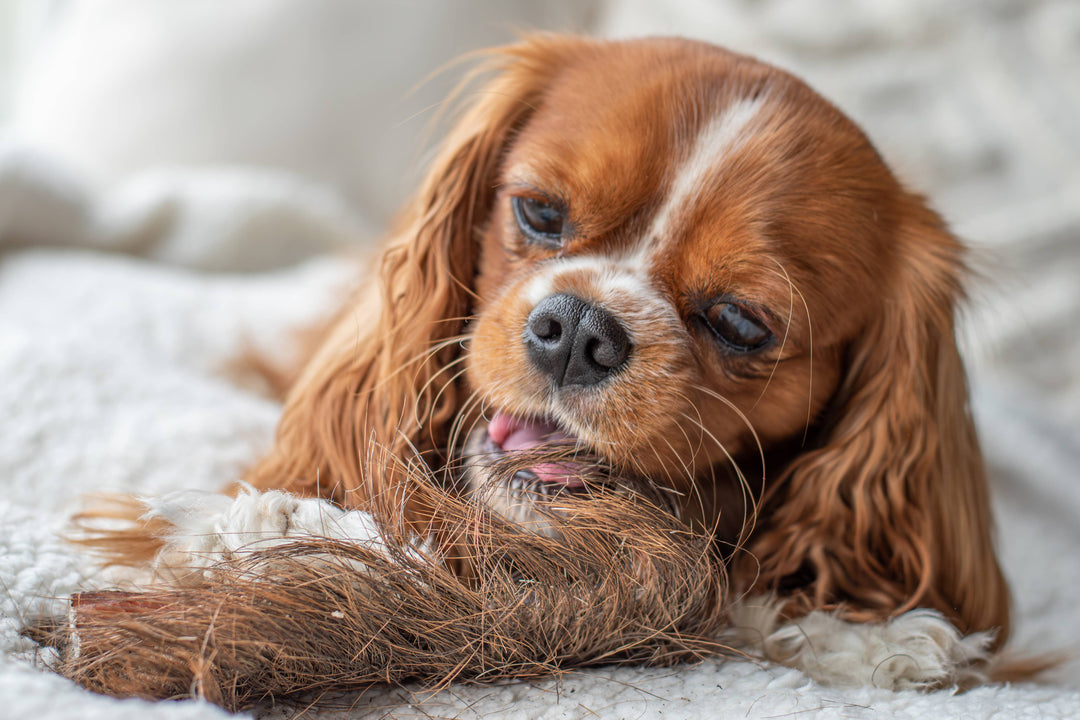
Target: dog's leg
918 649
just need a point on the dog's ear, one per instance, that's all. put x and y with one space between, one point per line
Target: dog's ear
891 510
382 387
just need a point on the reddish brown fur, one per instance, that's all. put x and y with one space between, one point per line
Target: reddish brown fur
855 428
126 538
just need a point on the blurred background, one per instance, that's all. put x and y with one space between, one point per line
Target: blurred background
171 165
974 101
177 129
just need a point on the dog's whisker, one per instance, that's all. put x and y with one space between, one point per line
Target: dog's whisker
429 355
810 372
742 416
793 288
787 329
434 404
750 502
454 442
690 471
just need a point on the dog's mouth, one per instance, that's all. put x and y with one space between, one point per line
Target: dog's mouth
522 466
533 453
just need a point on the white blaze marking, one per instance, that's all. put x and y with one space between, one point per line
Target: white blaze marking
606 274
722 137
630 274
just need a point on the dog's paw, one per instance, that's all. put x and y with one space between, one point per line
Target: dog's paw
206 528
920 649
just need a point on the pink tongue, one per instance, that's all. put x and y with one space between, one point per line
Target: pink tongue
513 433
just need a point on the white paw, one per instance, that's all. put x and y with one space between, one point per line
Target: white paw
919 649
209 527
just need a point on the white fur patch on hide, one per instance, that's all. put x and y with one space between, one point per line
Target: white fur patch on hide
210 527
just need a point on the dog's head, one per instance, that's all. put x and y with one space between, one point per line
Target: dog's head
680 246
659 260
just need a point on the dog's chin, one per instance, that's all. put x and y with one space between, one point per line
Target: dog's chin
518 466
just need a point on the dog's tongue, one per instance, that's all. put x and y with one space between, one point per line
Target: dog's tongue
513 433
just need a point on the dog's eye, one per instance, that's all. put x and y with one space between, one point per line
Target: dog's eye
736 327
541 222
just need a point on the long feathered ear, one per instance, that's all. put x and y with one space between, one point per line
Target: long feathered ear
891 511
380 392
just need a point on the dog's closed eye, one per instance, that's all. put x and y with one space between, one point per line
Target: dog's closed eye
736 327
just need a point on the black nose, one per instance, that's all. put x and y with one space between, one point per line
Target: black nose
574 342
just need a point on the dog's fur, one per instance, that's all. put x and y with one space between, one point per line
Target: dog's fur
835 462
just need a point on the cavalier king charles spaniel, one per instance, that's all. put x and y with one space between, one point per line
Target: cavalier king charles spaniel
657 261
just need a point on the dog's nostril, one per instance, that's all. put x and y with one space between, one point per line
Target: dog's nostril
549 332
573 342
608 345
546 328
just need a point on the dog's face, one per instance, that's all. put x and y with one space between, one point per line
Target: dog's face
680 248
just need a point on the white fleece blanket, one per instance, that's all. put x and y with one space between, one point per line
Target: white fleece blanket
112 379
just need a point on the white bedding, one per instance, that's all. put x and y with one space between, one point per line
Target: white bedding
113 336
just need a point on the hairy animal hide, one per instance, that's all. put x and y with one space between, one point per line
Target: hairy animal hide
621 580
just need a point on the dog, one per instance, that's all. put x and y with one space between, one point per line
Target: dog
658 262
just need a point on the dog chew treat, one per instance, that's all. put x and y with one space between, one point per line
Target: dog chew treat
624 581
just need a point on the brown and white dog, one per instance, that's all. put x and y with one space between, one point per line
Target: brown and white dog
659 260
